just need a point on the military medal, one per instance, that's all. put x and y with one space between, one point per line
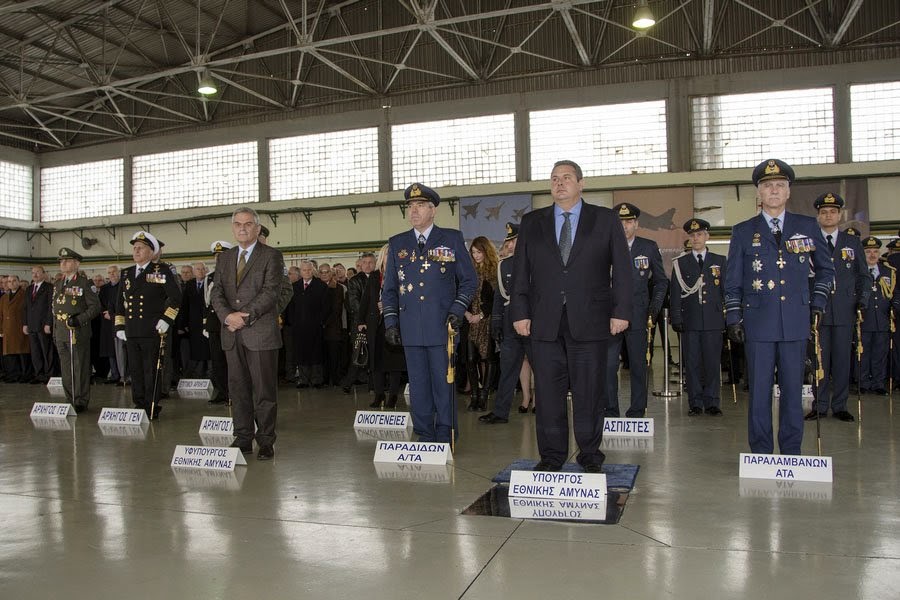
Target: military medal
426 264
848 254
402 254
401 275
641 262
780 262
715 270
716 281
757 265
771 285
443 269
409 287
756 239
802 258
757 284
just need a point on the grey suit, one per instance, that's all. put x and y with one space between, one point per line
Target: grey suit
252 352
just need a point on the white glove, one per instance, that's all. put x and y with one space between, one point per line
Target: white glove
162 326
121 335
205 333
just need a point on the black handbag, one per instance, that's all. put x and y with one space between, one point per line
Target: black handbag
360 350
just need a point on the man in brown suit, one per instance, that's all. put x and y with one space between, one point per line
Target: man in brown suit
248 282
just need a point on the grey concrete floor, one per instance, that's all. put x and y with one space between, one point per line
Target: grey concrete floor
90 515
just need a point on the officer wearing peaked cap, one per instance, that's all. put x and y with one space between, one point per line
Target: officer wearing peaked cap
73 308
876 325
850 292
149 299
769 305
429 281
650 286
212 329
853 231
697 302
893 259
513 347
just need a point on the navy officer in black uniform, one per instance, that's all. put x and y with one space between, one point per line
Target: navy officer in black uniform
428 284
513 347
769 306
149 299
852 286
697 302
650 285
876 325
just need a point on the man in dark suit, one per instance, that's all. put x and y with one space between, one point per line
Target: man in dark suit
769 306
248 284
697 297
571 291
37 317
650 286
428 284
850 293
148 304
193 312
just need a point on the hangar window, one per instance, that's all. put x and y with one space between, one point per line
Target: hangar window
192 178
615 139
15 191
875 119
455 152
740 130
324 164
94 189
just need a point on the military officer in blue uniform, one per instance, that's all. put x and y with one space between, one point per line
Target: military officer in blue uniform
650 285
148 303
769 306
876 325
513 347
852 286
697 302
72 309
429 281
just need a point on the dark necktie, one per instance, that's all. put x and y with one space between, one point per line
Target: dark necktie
565 238
199 285
34 290
776 229
872 271
830 243
700 262
242 264
421 243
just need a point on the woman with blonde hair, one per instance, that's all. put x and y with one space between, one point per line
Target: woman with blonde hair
481 365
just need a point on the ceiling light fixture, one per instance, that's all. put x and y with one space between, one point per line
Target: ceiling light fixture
643 16
207 85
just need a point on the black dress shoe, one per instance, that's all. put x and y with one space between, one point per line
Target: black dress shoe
635 414
347 389
843 415
492 419
485 418
546 465
813 415
245 448
378 402
80 408
392 401
219 400
265 453
156 412
880 392
714 411
592 468
523 410
695 410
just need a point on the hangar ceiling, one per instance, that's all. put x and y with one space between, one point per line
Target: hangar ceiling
82 72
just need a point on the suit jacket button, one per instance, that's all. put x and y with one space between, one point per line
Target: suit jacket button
421 297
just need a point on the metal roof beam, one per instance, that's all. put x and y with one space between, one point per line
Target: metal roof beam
852 9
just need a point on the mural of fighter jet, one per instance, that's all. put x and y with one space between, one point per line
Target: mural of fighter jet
471 210
657 222
517 214
494 211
